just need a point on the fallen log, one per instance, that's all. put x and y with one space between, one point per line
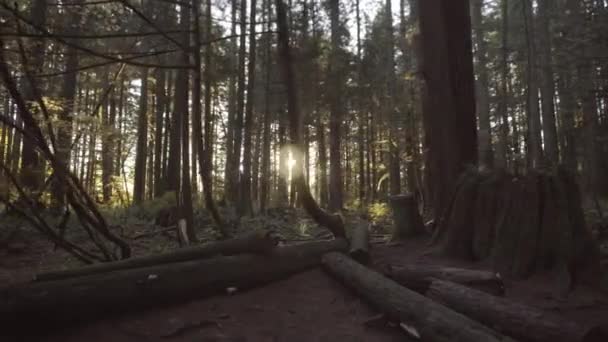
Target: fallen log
517 320
259 242
359 243
425 318
419 277
64 302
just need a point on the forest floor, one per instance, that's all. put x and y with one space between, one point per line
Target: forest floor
309 306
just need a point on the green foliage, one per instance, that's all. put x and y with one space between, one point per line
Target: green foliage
379 212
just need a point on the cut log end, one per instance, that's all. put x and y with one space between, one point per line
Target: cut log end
407 220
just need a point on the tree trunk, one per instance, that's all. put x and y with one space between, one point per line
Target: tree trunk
245 205
394 118
159 181
449 96
535 149
139 183
502 155
513 319
332 222
407 221
486 156
545 12
68 94
44 304
32 172
429 321
335 121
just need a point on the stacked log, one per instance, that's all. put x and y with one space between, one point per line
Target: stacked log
44 304
260 242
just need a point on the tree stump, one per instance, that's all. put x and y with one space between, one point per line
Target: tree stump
523 224
407 220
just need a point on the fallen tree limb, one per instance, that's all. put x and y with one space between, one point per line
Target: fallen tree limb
256 242
513 319
419 277
46 304
359 243
428 319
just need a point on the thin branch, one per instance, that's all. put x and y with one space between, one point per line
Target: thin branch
104 35
80 47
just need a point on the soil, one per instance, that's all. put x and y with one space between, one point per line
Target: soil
310 306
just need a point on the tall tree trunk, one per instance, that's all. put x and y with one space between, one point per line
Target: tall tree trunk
362 114
486 156
186 210
245 206
238 123
139 182
68 94
393 115
230 162
449 95
159 181
32 163
502 147
265 179
547 89
535 150
335 120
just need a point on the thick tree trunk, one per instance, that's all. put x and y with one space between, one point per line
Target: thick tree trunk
545 12
46 304
513 319
407 221
419 277
449 95
430 320
261 242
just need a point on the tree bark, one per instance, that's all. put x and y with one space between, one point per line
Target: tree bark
448 94
517 320
430 320
44 304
